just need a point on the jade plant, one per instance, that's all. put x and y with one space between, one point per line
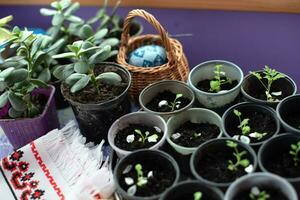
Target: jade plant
81 72
140 181
17 80
269 75
256 194
198 195
240 161
245 127
5 34
295 149
172 105
219 79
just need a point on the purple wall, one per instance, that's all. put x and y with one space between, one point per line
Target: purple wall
250 40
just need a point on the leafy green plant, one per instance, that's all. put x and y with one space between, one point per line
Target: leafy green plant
220 79
146 136
256 194
172 105
295 149
197 195
240 161
270 75
5 34
81 72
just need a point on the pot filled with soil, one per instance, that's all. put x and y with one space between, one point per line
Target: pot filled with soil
135 131
138 178
251 123
219 162
96 108
192 190
166 98
216 83
267 87
281 156
261 186
288 112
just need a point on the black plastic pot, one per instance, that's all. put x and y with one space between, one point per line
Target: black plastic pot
94 120
144 157
229 118
274 147
214 146
60 101
289 107
251 85
259 180
186 190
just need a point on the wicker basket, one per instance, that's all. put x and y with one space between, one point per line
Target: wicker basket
175 69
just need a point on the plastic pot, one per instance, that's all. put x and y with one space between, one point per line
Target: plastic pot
22 131
144 118
261 180
153 157
252 85
204 71
60 101
149 92
274 147
95 119
289 106
215 146
230 118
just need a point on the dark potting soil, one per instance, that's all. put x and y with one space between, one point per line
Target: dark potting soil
158 183
258 122
213 166
275 194
189 133
168 96
204 85
121 137
90 95
293 120
283 164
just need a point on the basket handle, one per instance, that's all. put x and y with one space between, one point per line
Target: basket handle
151 19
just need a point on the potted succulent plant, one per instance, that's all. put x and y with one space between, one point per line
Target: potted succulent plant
281 156
216 83
219 162
27 105
166 98
137 178
251 123
97 91
261 186
267 86
192 189
137 131
288 113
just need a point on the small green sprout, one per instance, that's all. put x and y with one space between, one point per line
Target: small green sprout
256 194
215 85
295 149
240 161
173 105
141 179
196 135
146 136
270 75
198 195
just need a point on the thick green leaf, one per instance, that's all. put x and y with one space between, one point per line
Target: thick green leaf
33 111
57 45
57 72
5 20
111 42
64 55
73 8
39 83
65 3
68 70
17 75
56 5
101 34
80 84
36 46
47 12
17 102
97 17
2 86
5 73
72 79
85 31
81 67
14 114
3 99
39 57
110 78
45 75
101 55
75 19
57 19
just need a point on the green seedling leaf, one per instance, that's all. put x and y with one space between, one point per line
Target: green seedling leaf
244 162
100 56
75 19
85 31
101 34
80 84
17 102
73 78
110 78
110 41
237 113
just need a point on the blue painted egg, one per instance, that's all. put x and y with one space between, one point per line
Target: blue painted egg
148 56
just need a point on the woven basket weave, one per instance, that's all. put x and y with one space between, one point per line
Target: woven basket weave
175 69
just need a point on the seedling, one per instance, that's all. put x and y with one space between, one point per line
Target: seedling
245 127
240 161
220 79
256 194
146 136
173 105
270 75
198 195
295 149
141 179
